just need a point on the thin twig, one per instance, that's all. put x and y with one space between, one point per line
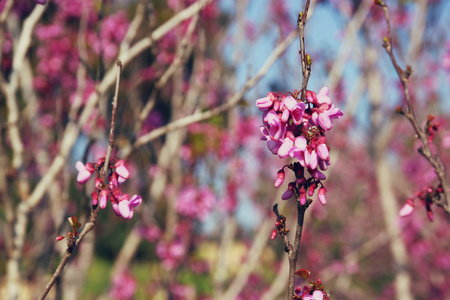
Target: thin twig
409 113
293 253
73 242
113 121
301 209
306 63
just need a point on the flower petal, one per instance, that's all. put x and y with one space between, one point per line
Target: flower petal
124 209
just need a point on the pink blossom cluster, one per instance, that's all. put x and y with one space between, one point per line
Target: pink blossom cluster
122 204
171 253
314 291
195 203
124 286
296 129
113 30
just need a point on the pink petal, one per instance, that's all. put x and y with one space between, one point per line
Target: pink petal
325 121
322 97
115 207
300 142
311 159
122 171
274 146
287 145
323 152
103 201
290 102
406 210
80 166
321 196
264 103
285 115
281 175
125 210
135 201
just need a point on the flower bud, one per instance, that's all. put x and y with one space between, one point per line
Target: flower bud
321 195
302 193
407 209
103 198
311 189
289 192
94 196
274 234
121 170
281 175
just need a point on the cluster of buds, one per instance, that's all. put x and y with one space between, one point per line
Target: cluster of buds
313 291
431 128
426 196
296 129
122 204
281 228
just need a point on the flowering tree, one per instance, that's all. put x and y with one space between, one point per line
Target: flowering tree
166 191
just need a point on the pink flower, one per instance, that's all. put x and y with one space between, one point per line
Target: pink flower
264 103
274 146
407 209
124 286
321 195
125 206
296 109
302 193
317 295
298 150
104 198
323 152
84 171
324 114
285 148
311 159
121 170
42 2
322 97
281 175
277 129
94 196
195 203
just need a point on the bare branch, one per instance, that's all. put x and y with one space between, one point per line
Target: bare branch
424 150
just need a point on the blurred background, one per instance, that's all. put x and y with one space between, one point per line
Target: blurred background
188 130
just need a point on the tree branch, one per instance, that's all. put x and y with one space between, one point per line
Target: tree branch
409 113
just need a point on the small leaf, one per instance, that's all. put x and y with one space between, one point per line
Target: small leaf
305 273
74 223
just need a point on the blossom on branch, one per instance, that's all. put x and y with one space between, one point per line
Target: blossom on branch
122 204
296 129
